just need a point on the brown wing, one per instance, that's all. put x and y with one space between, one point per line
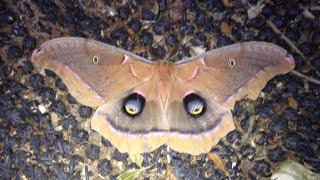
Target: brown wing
195 134
94 72
220 77
143 133
97 74
253 64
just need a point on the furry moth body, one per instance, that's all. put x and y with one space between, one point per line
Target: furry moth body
144 104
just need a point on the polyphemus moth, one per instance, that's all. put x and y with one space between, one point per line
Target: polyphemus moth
144 104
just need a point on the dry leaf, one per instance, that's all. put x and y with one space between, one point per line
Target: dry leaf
225 28
226 3
136 158
176 10
131 174
292 102
255 10
169 173
291 170
138 50
216 160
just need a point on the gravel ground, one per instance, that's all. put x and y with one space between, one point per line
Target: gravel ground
45 133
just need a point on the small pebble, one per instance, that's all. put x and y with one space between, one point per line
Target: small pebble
191 4
292 115
123 12
200 18
233 136
265 111
161 27
171 40
58 107
276 154
27 67
279 125
316 38
159 52
186 28
198 39
279 21
15 117
60 85
50 73
3 5
262 168
305 23
69 122
119 156
246 124
267 35
14 52
85 111
307 48
316 62
256 22
223 41
119 34
105 142
183 53
71 99
293 142
16 88
293 11
267 10
146 38
7 17
261 138
29 43
93 152
19 30
248 151
80 135
147 15
293 34
295 86
104 167
135 25
36 81
215 5
47 94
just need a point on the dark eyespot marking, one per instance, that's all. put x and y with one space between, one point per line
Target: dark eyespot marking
95 59
133 104
232 62
194 105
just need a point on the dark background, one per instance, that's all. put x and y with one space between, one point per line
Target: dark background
282 124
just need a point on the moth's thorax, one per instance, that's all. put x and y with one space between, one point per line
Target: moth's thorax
163 77
163 67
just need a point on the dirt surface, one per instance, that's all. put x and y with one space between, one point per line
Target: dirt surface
45 133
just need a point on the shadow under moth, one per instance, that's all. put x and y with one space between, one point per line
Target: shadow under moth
144 104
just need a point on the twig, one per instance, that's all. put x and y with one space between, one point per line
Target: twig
78 145
299 74
282 36
294 47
